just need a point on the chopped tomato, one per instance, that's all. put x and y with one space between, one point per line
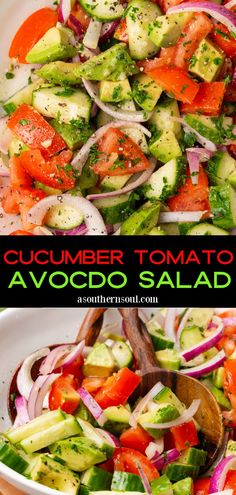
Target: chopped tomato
175 81
21 200
227 344
21 232
75 368
93 384
81 16
55 172
121 32
230 377
119 155
201 486
107 466
117 388
208 100
166 57
18 176
128 460
191 197
34 131
221 35
136 438
169 442
230 481
193 33
229 329
185 435
30 32
63 394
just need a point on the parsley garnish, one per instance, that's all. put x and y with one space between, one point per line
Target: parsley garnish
24 122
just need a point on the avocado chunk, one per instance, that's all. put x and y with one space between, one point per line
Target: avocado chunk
206 61
231 448
166 29
164 146
96 478
156 231
54 45
223 206
161 117
112 183
115 91
146 92
116 210
78 453
139 14
142 220
167 396
117 419
53 474
183 487
166 180
162 486
162 414
63 104
75 134
115 64
99 362
63 73
168 359
63 217
220 168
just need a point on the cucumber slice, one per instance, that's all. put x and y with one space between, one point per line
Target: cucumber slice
25 95
231 448
117 419
15 435
205 126
223 206
46 437
183 487
63 217
64 104
103 11
166 180
190 336
96 478
162 486
122 354
116 210
177 471
123 482
219 167
206 229
96 437
159 340
199 317
195 457
142 220
11 458
168 359
139 14
218 377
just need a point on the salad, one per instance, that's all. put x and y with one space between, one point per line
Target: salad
78 429
119 118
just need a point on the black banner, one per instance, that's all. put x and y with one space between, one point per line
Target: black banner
112 271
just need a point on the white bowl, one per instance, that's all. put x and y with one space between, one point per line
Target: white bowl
23 331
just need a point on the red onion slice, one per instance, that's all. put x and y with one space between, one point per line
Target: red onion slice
64 10
77 28
22 411
81 157
206 367
154 449
138 116
183 418
219 476
92 406
194 165
206 344
51 361
43 392
204 154
162 460
143 403
111 439
181 216
231 320
169 325
92 217
231 4
144 478
34 394
24 378
92 34
218 12
108 30
143 177
74 354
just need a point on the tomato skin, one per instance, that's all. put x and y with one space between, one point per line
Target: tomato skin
224 40
230 377
191 197
208 100
126 460
63 394
185 435
21 232
30 32
81 15
175 81
230 482
201 486
52 172
117 388
93 384
34 131
21 200
193 33
227 344
18 175
229 330
114 145
136 438
121 32
75 367
107 466
166 57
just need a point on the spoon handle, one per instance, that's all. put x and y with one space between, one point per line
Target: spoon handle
139 340
91 326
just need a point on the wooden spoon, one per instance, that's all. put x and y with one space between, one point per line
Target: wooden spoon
186 388
91 325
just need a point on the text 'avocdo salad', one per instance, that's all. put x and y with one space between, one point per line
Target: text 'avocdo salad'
119 117
77 429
